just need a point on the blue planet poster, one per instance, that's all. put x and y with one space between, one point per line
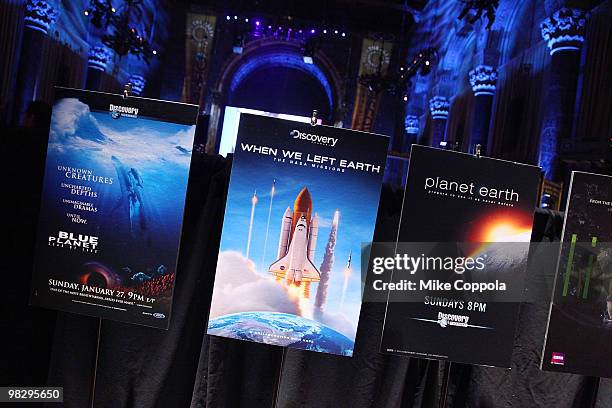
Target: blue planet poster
112 206
301 202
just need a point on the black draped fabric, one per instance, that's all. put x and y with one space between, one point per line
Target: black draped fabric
144 367
25 333
141 366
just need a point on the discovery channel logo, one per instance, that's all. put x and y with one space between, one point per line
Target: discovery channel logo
312 138
156 315
118 111
447 319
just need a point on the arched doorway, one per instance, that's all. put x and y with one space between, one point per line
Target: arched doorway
271 76
281 89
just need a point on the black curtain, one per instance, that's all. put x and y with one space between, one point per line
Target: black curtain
143 367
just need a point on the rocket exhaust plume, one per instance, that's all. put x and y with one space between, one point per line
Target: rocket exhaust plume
347 275
253 203
263 256
327 264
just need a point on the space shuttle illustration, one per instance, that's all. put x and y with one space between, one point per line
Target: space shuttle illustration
297 244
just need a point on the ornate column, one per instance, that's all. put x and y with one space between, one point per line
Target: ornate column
439 107
483 80
411 126
12 15
39 17
564 34
138 83
99 59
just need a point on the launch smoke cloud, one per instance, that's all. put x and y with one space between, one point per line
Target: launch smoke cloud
327 265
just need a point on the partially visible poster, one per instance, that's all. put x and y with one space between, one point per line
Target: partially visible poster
112 206
231 121
301 201
579 332
476 215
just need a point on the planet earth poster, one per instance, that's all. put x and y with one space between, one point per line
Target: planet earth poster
475 211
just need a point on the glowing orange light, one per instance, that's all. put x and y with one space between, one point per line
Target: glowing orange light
506 226
336 218
296 294
507 232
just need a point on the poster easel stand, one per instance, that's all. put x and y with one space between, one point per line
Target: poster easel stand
277 385
448 365
592 389
127 90
313 122
95 372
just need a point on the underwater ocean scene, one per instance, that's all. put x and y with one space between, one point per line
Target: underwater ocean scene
119 181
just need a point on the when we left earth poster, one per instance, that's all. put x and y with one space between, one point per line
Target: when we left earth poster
112 206
302 199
